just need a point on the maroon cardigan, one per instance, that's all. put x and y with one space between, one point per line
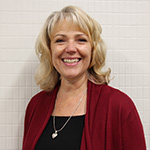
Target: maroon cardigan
111 121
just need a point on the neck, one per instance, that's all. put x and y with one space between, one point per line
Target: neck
73 86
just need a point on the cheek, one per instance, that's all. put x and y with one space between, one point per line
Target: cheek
89 52
89 59
53 57
56 60
89 56
53 53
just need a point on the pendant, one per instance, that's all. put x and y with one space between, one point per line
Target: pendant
54 135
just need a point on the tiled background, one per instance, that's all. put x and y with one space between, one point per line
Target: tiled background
126 31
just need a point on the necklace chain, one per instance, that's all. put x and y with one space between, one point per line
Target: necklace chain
55 134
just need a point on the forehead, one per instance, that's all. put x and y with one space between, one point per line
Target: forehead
65 26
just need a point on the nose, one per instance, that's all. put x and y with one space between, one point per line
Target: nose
71 47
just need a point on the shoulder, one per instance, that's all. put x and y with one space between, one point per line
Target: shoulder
115 102
118 97
34 101
120 103
40 100
112 96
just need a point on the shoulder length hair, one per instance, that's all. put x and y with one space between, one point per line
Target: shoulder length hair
46 75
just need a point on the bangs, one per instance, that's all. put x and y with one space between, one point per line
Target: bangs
72 18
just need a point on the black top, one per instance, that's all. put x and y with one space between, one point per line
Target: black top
68 139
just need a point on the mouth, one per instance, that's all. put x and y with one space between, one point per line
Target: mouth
71 60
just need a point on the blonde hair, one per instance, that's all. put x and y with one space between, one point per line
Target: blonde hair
46 75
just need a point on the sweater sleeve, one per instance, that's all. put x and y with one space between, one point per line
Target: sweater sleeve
132 131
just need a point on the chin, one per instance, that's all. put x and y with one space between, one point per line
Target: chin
71 76
74 76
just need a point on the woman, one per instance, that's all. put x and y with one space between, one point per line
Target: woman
77 109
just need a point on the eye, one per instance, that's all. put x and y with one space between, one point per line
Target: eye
60 40
82 40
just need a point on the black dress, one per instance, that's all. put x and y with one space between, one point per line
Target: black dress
68 139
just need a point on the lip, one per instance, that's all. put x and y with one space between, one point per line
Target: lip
71 63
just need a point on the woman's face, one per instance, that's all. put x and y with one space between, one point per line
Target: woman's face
71 51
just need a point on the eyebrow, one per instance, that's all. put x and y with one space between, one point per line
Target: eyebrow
77 35
59 35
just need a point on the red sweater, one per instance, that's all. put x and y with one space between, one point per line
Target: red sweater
111 121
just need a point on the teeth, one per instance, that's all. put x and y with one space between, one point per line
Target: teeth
70 60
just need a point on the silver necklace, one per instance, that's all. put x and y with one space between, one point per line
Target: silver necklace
55 134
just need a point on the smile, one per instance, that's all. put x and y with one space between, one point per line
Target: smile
71 60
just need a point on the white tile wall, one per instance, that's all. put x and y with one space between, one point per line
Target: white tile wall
126 31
